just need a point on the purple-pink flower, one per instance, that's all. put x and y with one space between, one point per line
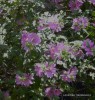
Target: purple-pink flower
88 46
28 40
75 4
45 69
24 80
69 75
39 69
50 70
50 91
80 23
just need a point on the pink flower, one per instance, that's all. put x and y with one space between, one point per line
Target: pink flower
24 80
75 4
80 23
52 92
69 75
28 40
39 70
45 69
49 92
50 70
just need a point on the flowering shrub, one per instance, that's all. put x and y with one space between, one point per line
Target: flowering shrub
48 49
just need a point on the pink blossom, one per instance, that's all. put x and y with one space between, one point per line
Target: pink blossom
45 69
50 70
80 23
50 91
28 40
39 70
24 80
69 75
75 4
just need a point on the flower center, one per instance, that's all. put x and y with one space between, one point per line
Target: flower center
22 78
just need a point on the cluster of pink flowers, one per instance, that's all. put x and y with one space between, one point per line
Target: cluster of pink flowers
60 50
24 79
80 23
55 25
28 40
50 91
45 69
89 47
